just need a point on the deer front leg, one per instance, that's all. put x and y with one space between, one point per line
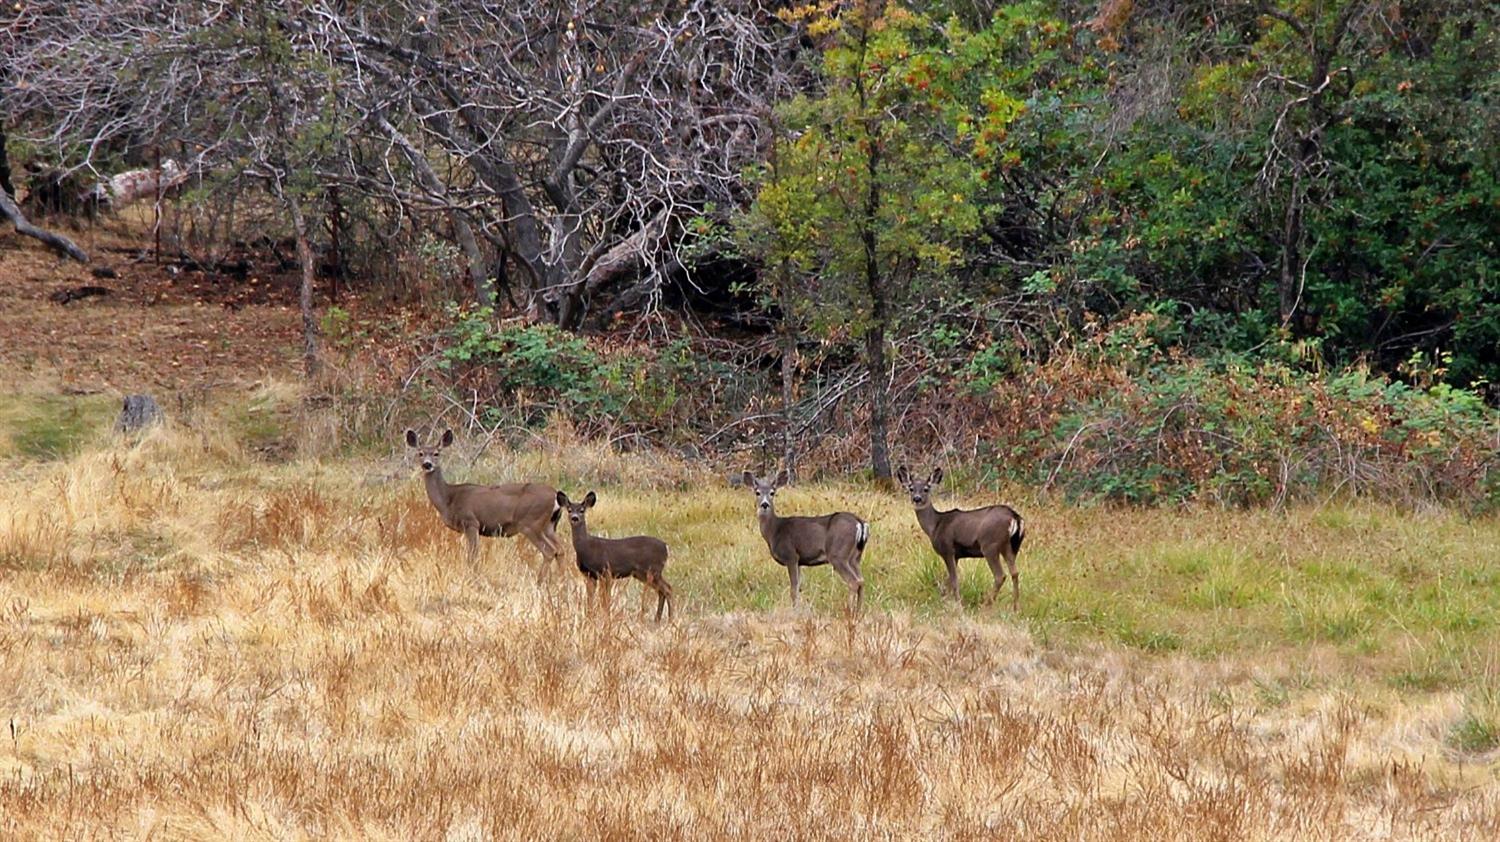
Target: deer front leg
794 573
588 599
471 543
951 563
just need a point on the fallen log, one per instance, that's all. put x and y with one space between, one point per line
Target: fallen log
57 242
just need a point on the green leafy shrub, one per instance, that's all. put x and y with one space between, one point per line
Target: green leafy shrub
523 371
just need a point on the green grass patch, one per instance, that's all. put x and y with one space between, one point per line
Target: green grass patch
51 427
1476 733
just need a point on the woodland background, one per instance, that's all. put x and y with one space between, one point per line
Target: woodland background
1150 252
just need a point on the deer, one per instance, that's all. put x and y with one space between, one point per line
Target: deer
528 509
991 533
641 557
796 542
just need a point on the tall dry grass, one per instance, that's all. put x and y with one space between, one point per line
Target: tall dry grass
198 643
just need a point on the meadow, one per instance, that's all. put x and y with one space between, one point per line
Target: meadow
202 635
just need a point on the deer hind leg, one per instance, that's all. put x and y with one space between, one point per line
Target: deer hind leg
1015 577
553 551
849 572
547 548
663 594
647 589
992 558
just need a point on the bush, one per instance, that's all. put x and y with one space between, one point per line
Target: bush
523 372
1120 419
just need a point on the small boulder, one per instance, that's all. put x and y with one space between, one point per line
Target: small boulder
138 412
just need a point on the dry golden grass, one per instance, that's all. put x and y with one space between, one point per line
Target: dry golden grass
198 643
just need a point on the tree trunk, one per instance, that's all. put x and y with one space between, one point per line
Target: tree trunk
484 289
880 457
311 364
1288 289
788 373
5 182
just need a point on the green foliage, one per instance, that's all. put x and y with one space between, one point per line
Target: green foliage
907 119
535 367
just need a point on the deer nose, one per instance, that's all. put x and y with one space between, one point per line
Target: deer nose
426 466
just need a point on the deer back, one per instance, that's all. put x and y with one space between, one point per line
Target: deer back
971 529
619 556
504 509
809 538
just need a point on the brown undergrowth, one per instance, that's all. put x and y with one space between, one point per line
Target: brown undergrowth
195 643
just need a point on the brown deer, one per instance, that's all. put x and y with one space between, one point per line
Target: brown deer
796 542
989 533
528 509
607 559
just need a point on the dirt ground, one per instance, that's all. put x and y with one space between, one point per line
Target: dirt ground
161 327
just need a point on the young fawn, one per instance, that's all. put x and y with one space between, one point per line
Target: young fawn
641 557
796 542
991 533
528 509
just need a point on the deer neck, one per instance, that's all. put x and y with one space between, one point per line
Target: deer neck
769 523
927 518
580 532
437 490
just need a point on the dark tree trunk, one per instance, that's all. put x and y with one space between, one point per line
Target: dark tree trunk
1288 288
788 373
312 365
5 182
880 458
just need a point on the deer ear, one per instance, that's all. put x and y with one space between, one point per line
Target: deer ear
447 439
782 479
902 476
590 500
411 438
747 479
562 499
937 476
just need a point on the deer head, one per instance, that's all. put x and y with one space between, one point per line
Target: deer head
764 491
919 489
427 457
576 510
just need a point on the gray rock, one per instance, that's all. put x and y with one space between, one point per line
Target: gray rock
139 412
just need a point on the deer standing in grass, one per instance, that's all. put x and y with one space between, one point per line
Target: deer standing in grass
991 533
528 509
796 542
606 559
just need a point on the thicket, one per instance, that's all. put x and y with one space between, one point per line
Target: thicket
1137 250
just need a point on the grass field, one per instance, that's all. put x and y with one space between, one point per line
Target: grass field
197 639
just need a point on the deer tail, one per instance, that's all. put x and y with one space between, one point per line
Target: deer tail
556 513
861 535
1017 531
